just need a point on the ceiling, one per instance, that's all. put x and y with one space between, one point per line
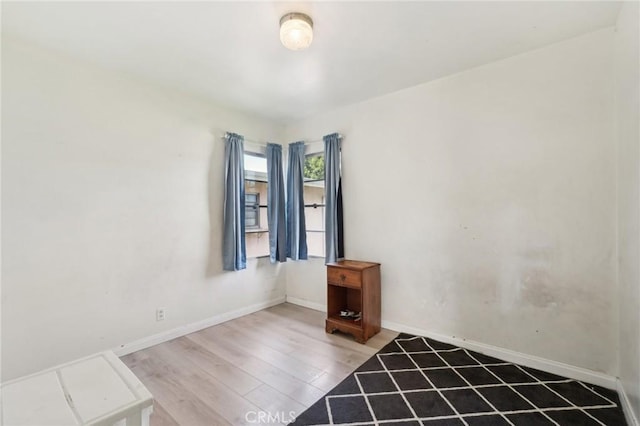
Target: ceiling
230 52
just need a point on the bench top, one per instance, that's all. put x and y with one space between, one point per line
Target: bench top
98 389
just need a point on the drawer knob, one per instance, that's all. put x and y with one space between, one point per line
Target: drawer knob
343 277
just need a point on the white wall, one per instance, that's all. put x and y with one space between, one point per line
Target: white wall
628 142
111 194
487 196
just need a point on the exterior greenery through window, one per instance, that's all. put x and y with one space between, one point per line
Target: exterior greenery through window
314 167
314 203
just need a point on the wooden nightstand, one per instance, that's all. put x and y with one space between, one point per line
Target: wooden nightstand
353 286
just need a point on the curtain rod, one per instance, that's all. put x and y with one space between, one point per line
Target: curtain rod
265 143
321 140
226 134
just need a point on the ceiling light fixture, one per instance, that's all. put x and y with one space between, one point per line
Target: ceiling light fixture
296 31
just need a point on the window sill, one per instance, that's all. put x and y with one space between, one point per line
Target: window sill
255 231
266 256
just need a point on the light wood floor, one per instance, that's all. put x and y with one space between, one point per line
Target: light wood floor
274 361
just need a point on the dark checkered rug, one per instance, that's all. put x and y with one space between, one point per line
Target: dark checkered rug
419 381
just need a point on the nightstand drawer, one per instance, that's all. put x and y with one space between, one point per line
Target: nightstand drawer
346 277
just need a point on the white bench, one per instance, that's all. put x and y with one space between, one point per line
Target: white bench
97 390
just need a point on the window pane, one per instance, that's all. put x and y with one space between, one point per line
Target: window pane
255 167
251 205
314 167
251 218
256 235
315 243
314 217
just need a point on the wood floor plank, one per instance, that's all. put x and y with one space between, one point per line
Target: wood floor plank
275 361
307 394
259 369
381 339
293 366
301 327
134 359
179 401
322 361
305 332
219 397
321 355
209 363
160 416
280 330
228 404
327 381
251 326
281 406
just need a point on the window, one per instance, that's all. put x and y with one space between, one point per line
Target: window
314 203
252 212
255 221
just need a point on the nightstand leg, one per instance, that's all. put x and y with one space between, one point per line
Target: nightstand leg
330 329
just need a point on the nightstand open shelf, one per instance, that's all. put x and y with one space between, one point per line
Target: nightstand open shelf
353 286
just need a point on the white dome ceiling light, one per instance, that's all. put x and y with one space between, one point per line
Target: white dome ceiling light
296 31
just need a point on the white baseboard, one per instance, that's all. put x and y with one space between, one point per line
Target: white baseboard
305 303
559 368
632 420
165 336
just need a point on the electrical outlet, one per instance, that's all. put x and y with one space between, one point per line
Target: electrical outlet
160 314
